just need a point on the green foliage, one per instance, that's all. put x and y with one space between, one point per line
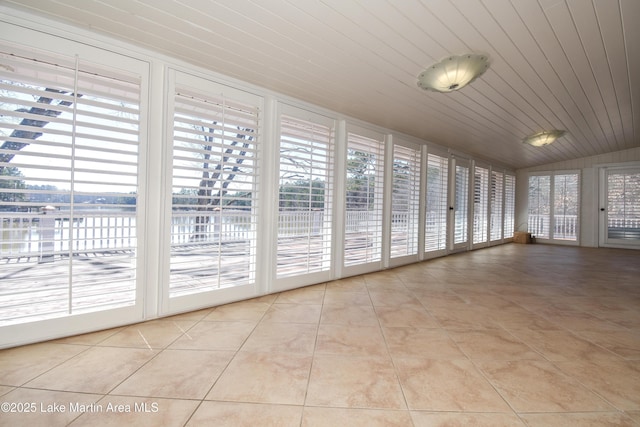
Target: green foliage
10 178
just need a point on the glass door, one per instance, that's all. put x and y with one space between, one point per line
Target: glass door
459 205
620 207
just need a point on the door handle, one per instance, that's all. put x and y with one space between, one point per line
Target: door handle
602 209
450 208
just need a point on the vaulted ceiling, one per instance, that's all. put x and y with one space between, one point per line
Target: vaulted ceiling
554 64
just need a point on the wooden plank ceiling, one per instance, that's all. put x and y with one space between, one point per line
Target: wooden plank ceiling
555 64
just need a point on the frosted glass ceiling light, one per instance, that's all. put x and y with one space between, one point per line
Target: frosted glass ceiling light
541 139
453 73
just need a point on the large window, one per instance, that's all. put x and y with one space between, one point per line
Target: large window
405 201
509 205
213 221
305 193
480 205
364 193
565 206
68 187
497 205
436 209
553 206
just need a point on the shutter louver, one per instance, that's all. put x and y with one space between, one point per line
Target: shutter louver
480 205
72 137
405 201
436 211
213 238
304 214
509 205
497 200
363 222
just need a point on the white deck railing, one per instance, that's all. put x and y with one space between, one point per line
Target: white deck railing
31 234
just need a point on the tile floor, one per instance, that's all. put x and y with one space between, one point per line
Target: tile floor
515 335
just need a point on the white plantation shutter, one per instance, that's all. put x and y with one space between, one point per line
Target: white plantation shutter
70 141
405 202
436 210
565 207
213 227
364 181
480 205
305 184
497 201
509 205
461 225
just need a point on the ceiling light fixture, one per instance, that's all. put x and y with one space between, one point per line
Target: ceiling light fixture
453 73
541 139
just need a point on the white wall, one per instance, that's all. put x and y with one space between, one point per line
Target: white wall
588 167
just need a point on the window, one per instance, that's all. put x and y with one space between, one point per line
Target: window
553 206
461 205
405 201
497 199
565 206
480 205
213 225
436 209
305 188
509 205
364 185
68 187
539 210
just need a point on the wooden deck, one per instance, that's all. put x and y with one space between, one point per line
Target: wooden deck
35 288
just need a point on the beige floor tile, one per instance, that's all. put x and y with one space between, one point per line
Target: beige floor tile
563 346
243 310
624 343
97 370
5 389
292 338
264 378
593 419
457 419
293 313
635 415
228 414
181 374
21 364
332 417
341 297
307 295
118 411
538 386
44 407
406 316
348 284
351 340
154 334
447 385
214 336
393 298
362 315
464 318
581 322
354 382
492 344
417 342
616 381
